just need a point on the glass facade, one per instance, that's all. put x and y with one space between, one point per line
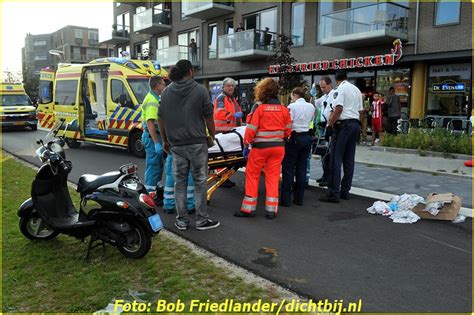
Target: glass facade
449 90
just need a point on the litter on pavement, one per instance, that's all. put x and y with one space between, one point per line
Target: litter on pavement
408 208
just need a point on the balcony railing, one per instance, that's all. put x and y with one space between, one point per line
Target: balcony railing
207 9
247 45
372 24
152 21
171 55
120 35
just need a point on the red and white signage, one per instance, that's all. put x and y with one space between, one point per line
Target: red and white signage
344 63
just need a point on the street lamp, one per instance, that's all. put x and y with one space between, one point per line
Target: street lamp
58 53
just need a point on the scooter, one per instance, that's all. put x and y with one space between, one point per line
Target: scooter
115 207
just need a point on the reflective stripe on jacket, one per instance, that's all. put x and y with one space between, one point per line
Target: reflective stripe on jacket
225 108
269 126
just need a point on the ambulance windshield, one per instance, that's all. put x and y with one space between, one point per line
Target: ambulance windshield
139 88
15 100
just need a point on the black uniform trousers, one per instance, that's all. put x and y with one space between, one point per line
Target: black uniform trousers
342 153
295 163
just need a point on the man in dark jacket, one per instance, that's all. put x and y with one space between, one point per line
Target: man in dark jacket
394 109
184 114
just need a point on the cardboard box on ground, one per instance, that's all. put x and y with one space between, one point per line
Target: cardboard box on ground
449 211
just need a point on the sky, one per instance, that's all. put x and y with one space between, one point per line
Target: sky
20 18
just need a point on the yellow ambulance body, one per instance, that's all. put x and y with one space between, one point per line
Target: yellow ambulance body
100 101
16 108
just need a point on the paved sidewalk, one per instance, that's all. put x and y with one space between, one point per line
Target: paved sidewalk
379 156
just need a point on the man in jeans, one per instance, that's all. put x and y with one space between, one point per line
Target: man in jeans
184 112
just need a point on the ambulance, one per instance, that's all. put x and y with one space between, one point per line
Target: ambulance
16 108
100 101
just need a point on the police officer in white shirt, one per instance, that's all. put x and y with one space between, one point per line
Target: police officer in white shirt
344 129
325 108
297 150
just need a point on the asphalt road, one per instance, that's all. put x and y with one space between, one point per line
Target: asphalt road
320 250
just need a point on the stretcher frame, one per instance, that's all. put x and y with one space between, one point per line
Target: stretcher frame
222 168
223 165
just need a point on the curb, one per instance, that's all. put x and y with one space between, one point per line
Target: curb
409 169
453 156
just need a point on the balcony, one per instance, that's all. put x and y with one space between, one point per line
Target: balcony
152 21
207 9
118 36
247 45
373 24
171 55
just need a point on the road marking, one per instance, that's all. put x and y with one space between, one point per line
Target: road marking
452 246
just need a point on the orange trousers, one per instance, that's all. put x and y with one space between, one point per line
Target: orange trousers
271 159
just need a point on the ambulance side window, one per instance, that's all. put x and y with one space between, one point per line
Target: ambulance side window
46 92
120 94
66 91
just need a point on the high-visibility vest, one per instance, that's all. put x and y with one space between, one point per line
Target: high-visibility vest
269 126
225 108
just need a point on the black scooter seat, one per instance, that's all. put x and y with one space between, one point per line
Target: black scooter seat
89 182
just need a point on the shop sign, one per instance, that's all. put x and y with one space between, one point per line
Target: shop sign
455 70
344 63
449 86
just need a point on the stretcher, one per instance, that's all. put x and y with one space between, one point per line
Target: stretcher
225 158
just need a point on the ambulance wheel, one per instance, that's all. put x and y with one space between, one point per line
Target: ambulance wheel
135 144
72 143
34 127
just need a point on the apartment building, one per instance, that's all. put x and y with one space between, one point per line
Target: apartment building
76 44
422 49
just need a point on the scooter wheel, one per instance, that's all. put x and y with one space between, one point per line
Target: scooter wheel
138 242
33 227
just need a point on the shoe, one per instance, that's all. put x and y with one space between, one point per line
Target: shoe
270 215
227 184
281 204
191 211
208 225
168 211
181 226
240 214
345 196
329 199
323 184
297 203
320 179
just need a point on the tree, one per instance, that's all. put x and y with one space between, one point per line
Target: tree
287 78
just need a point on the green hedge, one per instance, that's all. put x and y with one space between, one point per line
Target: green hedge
438 140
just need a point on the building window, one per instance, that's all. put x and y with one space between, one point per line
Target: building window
212 41
93 37
41 57
66 91
297 23
163 42
186 49
324 8
399 79
78 33
39 43
262 20
449 90
447 12
142 49
140 9
229 27
123 23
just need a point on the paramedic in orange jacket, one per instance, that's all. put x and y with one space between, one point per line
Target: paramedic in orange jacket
227 112
266 131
